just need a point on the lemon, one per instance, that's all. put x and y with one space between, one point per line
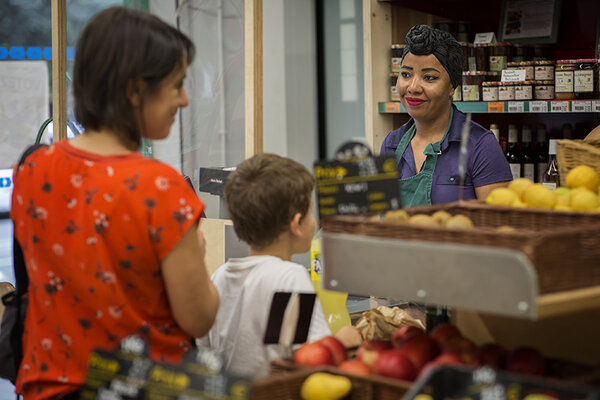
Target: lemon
441 216
501 197
506 228
583 176
324 386
562 191
562 201
539 196
519 185
459 221
396 215
584 200
562 207
422 219
519 204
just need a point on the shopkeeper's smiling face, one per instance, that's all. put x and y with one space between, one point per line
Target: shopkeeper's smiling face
424 86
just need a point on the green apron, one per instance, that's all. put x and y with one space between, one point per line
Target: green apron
416 190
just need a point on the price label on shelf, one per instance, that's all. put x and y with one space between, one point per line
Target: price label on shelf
496 107
392 107
538 106
559 106
581 106
516 107
596 105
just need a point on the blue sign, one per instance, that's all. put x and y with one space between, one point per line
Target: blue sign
5 182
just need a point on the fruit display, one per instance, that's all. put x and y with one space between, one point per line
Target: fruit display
581 194
325 386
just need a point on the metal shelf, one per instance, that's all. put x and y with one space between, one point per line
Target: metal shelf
510 107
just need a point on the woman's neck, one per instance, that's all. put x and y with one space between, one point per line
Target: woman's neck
432 130
103 142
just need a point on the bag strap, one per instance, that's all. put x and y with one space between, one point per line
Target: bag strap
21 277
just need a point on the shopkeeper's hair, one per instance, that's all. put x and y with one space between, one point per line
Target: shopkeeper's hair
422 40
119 46
263 194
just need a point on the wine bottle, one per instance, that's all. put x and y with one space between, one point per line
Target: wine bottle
512 153
551 175
541 153
527 153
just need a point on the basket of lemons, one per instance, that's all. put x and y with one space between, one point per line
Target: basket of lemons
573 153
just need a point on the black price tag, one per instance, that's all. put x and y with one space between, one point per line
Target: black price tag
356 186
127 374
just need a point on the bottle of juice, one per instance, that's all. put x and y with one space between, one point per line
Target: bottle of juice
333 303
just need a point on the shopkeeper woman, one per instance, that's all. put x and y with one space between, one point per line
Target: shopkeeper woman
427 147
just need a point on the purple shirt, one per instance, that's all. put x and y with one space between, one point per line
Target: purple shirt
486 163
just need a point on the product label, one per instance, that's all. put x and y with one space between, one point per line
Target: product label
559 106
564 82
581 106
489 93
544 73
497 63
524 92
596 106
457 93
394 95
496 107
584 81
528 171
396 64
544 92
472 63
506 93
516 107
529 72
538 106
515 169
470 92
550 185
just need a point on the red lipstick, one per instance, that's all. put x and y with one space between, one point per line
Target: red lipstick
413 101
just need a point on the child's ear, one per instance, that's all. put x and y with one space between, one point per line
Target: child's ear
133 90
295 225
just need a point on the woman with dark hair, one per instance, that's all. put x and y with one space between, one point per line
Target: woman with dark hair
427 147
110 238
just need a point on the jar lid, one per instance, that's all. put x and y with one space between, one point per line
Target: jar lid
566 61
465 44
512 64
398 46
393 75
544 83
482 44
586 60
490 83
524 82
493 73
526 63
474 73
544 62
507 83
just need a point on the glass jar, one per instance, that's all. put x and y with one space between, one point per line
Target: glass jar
543 90
506 91
544 70
394 95
457 96
564 77
524 90
499 53
489 91
468 52
524 65
471 85
493 76
521 52
397 50
585 79
482 60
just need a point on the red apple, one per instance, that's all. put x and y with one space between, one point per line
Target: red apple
405 332
462 347
395 364
313 355
420 349
355 367
337 349
442 359
441 333
492 354
526 360
369 350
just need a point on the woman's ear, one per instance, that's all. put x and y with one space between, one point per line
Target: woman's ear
295 229
133 91
452 90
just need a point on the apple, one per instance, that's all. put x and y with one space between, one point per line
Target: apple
313 355
462 347
526 360
369 350
442 359
405 332
420 349
395 364
492 354
337 349
441 333
355 367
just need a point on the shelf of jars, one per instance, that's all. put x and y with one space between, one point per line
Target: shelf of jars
499 107
497 281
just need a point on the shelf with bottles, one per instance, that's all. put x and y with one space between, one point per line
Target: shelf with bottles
490 107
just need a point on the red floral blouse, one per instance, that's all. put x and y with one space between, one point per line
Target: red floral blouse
94 230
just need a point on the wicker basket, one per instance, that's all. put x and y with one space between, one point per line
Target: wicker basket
564 247
286 380
571 153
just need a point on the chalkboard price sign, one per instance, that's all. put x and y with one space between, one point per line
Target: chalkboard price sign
357 185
